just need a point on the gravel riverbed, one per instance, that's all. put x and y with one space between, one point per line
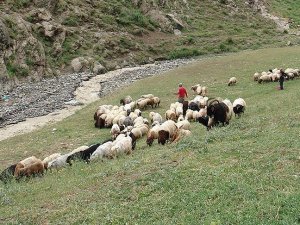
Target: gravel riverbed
37 99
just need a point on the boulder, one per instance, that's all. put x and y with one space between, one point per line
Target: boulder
177 24
98 68
79 64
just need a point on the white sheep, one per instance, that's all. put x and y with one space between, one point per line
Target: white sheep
147 96
184 124
232 81
170 115
152 134
189 115
115 131
102 151
51 157
122 146
239 106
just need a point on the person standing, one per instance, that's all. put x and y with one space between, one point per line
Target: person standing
182 93
281 78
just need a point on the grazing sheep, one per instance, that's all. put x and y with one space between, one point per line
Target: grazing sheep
115 131
126 100
264 78
179 134
152 134
194 106
184 124
147 96
239 106
232 81
50 158
138 112
203 112
84 155
137 132
102 151
24 163
156 101
166 131
128 122
155 117
32 169
180 118
203 120
189 115
256 76
218 112
199 90
59 162
133 116
122 146
142 103
8 173
170 115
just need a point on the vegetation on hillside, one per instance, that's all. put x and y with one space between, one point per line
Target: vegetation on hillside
243 173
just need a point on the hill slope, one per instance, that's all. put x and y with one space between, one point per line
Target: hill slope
41 38
244 173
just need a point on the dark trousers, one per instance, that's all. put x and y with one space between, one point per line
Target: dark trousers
281 85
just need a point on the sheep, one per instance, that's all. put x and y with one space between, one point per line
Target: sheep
230 107
128 121
32 169
203 120
232 81
203 112
239 106
8 173
144 128
102 151
24 163
147 96
179 134
155 117
179 110
151 102
121 120
142 103
138 112
84 155
194 106
156 101
256 76
218 112
126 100
184 124
122 146
100 121
27 163
137 132
139 120
152 134
59 162
170 115
195 115
180 118
50 158
115 131
166 131
133 116
189 115
199 90
203 102
264 78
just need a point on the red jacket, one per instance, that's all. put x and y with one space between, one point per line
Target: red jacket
182 92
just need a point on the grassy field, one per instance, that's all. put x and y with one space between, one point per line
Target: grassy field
245 173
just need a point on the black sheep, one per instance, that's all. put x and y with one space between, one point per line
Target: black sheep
8 173
194 106
163 136
217 112
83 155
203 120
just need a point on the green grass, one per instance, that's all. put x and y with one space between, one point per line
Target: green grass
244 173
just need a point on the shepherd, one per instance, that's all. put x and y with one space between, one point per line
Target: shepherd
182 93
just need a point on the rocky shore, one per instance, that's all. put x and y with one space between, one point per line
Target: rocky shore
41 98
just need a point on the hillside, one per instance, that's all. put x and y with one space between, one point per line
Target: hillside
47 38
243 173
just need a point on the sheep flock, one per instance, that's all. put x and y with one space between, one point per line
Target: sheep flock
127 124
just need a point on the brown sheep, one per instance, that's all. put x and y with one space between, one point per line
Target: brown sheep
32 169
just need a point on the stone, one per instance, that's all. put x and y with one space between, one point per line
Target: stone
98 68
